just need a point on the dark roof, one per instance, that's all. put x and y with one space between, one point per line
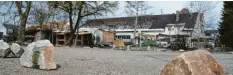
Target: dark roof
163 20
210 31
158 21
9 26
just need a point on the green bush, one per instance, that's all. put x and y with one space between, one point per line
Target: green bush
147 42
35 57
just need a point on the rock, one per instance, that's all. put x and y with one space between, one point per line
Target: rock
148 48
26 58
229 52
128 48
16 49
181 50
39 53
113 46
46 59
3 46
6 53
163 50
198 62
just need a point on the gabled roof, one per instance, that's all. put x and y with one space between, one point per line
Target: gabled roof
9 26
158 21
163 20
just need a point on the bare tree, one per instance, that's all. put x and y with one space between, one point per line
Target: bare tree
81 10
40 12
23 17
23 9
205 7
11 14
135 8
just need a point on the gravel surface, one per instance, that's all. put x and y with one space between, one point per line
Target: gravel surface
94 61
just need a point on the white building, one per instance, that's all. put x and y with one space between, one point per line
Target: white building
127 35
2 29
190 25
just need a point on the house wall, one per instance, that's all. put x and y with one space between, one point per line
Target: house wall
2 29
130 32
120 34
198 30
125 29
174 30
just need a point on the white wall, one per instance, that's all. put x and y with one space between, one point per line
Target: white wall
2 29
130 32
174 30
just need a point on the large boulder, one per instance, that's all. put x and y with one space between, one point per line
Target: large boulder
16 49
3 47
198 62
39 54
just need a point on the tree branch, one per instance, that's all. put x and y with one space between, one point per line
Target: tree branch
79 16
28 8
70 16
18 5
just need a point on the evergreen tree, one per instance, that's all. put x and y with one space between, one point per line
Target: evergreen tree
226 25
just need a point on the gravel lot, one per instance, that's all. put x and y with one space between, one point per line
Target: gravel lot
94 61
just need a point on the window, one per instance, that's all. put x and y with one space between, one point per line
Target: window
172 28
123 36
119 37
128 37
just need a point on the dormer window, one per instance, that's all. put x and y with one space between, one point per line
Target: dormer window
169 28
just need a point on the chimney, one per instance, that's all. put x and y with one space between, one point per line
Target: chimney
161 11
177 15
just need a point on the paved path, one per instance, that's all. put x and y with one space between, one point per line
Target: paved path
94 61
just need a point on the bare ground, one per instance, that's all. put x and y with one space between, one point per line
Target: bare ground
94 61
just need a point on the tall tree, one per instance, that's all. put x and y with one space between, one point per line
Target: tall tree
41 13
23 17
8 15
205 7
135 8
80 10
226 27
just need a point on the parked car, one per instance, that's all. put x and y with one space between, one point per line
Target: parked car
162 44
218 49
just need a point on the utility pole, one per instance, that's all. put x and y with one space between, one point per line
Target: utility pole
191 37
169 34
135 25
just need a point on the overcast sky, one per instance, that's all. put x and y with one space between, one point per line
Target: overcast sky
168 7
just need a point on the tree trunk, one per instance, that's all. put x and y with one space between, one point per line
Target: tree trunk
21 36
70 39
76 28
23 19
76 37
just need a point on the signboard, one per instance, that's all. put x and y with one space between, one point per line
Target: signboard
108 36
119 43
